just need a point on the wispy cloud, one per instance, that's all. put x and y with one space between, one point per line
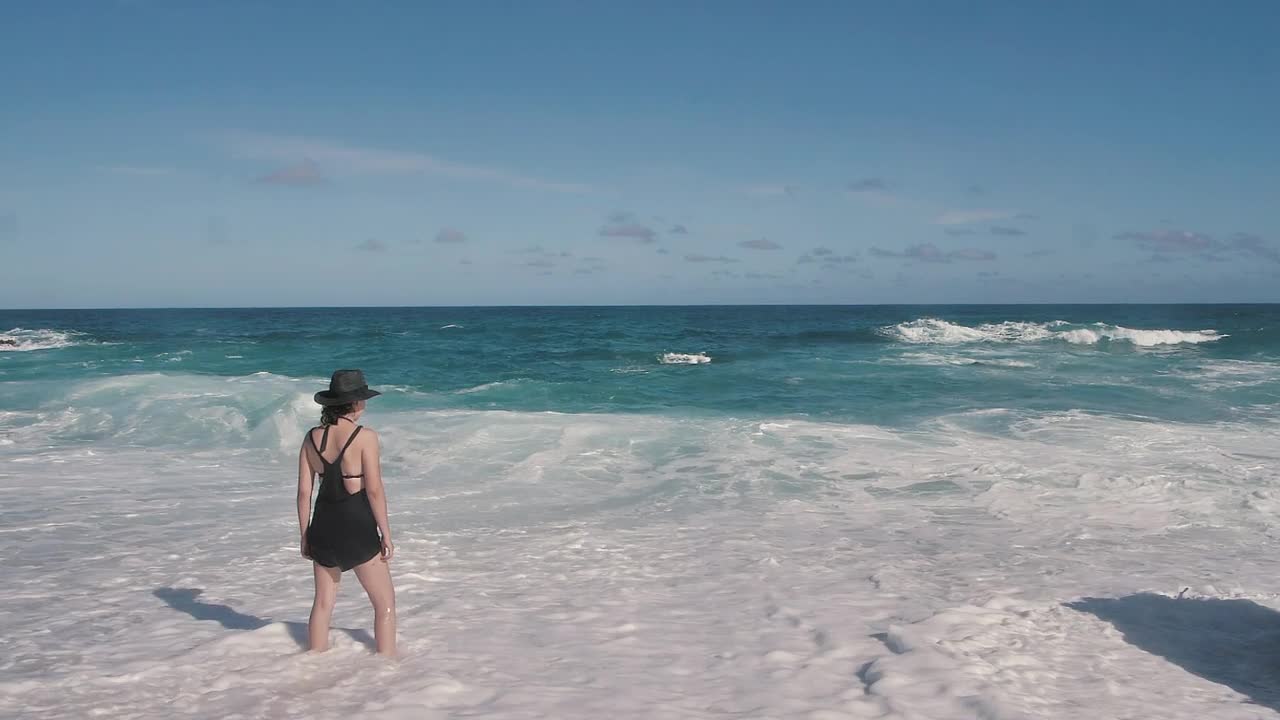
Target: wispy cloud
827 257
540 251
451 236
971 254
968 217
1167 244
138 170
930 253
301 174
760 244
1254 245
631 231
762 276
1170 240
959 231
372 245
1041 252
698 258
876 192
346 159
874 184
678 230
1007 231
770 191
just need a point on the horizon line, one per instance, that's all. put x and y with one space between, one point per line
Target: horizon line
619 305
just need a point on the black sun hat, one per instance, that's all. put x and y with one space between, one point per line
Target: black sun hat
346 386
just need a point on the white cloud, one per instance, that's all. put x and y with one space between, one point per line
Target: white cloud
966 217
342 158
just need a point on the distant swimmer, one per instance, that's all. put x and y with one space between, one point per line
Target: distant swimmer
349 529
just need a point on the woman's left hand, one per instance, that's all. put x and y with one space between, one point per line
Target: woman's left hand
306 551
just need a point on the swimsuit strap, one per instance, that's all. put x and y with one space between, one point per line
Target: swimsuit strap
350 440
324 440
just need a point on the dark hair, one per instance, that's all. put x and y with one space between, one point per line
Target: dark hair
330 414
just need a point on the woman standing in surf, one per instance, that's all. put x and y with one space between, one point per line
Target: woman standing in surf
349 529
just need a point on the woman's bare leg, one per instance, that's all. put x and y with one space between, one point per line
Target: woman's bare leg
375 576
327 579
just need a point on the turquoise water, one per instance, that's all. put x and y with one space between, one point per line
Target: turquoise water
892 366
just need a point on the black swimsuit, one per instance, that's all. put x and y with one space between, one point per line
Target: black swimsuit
343 532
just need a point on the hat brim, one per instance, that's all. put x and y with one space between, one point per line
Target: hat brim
328 397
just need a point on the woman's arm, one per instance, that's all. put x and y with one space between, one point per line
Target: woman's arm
305 478
371 465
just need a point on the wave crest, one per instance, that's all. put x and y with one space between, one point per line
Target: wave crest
23 340
932 331
672 358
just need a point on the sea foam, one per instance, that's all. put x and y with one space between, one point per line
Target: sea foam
627 565
940 332
673 358
23 340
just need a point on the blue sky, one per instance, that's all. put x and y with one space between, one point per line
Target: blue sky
236 154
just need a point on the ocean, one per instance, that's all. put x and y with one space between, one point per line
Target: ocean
675 512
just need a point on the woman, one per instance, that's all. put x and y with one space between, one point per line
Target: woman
349 529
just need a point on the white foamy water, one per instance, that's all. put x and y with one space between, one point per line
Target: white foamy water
962 360
673 358
940 332
1229 374
22 340
990 565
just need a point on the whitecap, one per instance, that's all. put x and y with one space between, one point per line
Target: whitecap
23 340
672 358
933 331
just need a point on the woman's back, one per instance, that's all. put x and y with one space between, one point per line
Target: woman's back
342 443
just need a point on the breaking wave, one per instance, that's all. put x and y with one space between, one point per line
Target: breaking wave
22 340
932 331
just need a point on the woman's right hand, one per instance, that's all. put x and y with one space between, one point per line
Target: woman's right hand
387 548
